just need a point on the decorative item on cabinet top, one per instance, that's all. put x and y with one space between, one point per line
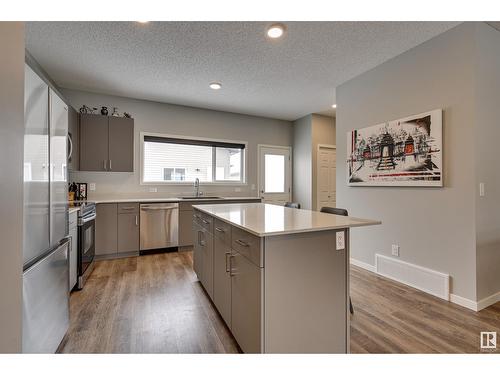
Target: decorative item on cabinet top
84 110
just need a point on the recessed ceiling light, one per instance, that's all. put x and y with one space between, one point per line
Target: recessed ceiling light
215 86
334 105
276 31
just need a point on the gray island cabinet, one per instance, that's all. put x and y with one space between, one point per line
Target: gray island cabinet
278 276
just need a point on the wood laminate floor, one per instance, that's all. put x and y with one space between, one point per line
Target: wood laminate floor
154 304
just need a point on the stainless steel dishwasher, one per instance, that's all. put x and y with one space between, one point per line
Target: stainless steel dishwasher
159 225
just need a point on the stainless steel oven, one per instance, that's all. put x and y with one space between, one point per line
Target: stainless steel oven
86 242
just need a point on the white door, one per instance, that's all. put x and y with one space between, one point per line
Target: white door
274 174
326 177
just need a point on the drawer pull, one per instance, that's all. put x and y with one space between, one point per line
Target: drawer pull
242 243
227 266
205 221
220 230
196 216
128 208
231 256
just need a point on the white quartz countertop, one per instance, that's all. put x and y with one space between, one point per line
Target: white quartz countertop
167 200
265 220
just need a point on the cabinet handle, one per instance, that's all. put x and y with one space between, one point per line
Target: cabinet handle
104 164
242 243
128 208
231 256
220 230
110 167
196 216
205 221
227 269
136 221
200 241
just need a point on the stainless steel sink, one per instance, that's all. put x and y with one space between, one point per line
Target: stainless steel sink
203 197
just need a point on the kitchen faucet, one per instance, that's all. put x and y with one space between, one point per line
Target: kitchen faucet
197 187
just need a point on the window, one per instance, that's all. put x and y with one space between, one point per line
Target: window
174 160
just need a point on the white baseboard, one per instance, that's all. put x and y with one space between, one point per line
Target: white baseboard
464 302
425 279
363 265
488 301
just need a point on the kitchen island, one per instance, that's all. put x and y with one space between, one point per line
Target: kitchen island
278 276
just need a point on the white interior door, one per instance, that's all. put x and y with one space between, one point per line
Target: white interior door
274 174
326 177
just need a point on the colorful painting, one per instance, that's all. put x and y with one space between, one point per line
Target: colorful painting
404 152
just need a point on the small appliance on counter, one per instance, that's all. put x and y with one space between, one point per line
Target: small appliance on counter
77 191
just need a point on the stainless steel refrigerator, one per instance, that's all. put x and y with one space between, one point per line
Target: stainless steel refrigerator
45 249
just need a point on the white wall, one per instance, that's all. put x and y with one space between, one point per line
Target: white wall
11 184
487 168
435 227
302 162
179 120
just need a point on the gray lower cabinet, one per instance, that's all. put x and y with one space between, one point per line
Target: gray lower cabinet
246 296
197 255
228 264
207 262
106 229
128 233
222 279
185 230
117 229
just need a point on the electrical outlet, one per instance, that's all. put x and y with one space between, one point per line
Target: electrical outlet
92 186
340 240
153 190
395 250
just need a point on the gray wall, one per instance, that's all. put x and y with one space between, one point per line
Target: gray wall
11 183
179 120
486 166
302 162
323 132
435 227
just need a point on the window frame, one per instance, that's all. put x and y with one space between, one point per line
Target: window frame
244 161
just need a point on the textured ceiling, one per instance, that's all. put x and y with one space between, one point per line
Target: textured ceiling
174 62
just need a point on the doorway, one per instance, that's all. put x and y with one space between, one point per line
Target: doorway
275 174
326 174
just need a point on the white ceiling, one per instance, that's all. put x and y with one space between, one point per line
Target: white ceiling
174 62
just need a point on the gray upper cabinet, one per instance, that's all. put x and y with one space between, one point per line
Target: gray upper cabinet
106 143
93 142
121 144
